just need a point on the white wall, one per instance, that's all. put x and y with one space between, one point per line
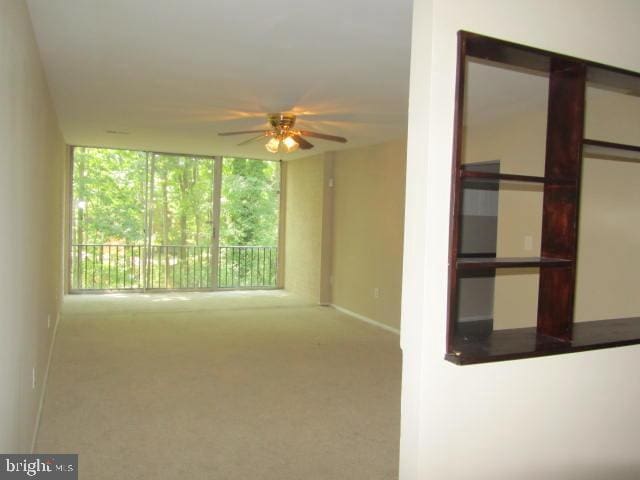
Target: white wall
561 417
32 162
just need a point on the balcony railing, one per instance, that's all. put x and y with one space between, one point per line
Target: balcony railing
171 267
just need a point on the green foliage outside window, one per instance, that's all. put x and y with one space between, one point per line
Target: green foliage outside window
163 204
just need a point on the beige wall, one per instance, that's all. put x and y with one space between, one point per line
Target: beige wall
518 142
558 417
368 226
303 226
345 242
515 134
609 228
32 159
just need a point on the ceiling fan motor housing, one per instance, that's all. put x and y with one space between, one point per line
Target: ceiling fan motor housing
282 122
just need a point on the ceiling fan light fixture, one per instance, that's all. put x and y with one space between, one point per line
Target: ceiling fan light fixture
273 145
290 145
282 135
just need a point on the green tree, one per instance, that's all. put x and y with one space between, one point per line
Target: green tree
108 193
250 202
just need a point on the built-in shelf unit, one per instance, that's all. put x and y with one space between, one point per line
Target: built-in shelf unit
555 331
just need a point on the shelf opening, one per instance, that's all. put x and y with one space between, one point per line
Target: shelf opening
505 117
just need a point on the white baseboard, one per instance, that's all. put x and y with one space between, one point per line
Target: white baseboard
45 380
367 320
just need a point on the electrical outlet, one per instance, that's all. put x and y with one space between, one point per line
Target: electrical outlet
48 321
376 292
33 378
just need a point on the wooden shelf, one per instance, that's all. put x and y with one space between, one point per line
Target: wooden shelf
508 177
609 150
471 346
472 263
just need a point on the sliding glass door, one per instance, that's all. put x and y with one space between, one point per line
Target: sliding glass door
180 222
108 229
250 209
151 221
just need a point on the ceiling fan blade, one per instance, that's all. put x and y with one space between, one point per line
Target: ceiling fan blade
304 145
224 134
262 135
324 136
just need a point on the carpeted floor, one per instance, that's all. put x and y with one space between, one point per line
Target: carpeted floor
234 385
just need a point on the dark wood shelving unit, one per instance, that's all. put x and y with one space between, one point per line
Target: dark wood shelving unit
473 263
555 332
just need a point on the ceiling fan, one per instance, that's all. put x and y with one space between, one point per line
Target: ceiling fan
283 136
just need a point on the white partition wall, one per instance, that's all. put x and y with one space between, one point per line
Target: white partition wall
561 417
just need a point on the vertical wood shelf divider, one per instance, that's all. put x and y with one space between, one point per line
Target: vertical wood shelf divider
565 123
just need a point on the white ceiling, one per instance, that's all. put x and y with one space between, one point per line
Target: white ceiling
174 73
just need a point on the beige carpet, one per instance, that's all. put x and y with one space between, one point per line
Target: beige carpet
234 385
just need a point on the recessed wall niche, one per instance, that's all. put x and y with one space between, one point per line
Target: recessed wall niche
520 155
